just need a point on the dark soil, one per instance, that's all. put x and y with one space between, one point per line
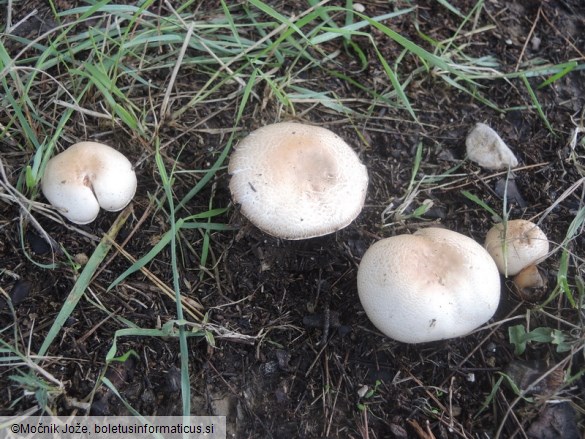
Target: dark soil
284 372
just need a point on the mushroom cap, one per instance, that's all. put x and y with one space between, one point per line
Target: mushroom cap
297 181
432 285
87 176
516 245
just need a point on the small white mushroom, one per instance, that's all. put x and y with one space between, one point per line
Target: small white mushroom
297 181
515 245
87 176
488 150
435 284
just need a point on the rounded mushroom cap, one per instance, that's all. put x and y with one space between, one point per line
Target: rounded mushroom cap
432 285
87 176
516 245
297 181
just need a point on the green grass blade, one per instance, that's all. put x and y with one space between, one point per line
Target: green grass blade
276 15
575 228
482 204
349 29
84 279
395 83
152 253
183 348
451 8
536 104
565 68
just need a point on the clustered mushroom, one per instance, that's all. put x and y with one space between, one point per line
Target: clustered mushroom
297 181
87 176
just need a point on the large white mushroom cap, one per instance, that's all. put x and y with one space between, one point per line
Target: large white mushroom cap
87 176
515 245
297 181
435 284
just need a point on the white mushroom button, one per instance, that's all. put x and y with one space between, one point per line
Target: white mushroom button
87 176
297 181
515 245
434 284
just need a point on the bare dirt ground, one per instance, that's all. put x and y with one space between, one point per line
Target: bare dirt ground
282 372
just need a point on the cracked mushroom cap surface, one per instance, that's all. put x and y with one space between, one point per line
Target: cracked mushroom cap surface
432 285
87 176
297 181
516 245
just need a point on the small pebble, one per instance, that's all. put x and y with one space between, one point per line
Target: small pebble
486 148
81 259
362 391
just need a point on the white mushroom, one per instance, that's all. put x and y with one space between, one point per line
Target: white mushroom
435 284
87 176
515 245
297 181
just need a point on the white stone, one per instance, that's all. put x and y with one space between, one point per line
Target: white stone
486 148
